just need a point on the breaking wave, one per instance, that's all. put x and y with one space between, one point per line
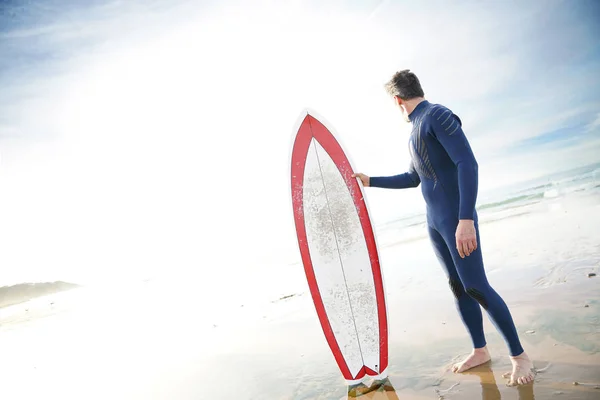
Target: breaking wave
521 199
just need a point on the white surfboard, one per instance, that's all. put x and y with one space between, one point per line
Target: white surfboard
339 252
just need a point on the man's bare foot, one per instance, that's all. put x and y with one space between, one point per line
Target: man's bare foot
523 371
476 358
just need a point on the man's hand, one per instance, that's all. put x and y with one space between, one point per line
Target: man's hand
466 237
363 178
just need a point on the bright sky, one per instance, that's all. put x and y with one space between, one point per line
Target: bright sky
152 138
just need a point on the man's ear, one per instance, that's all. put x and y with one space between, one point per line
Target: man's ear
398 100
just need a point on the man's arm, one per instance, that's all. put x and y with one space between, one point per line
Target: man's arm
406 180
447 129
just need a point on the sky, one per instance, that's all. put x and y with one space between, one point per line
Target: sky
151 139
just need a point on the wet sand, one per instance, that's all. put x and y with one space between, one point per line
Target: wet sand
540 265
566 341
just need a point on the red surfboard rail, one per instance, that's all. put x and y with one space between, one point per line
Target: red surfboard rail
311 128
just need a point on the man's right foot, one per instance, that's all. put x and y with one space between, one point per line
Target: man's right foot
476 358
523 371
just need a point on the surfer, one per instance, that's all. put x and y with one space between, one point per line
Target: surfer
443 164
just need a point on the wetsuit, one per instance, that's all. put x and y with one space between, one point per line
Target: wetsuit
443 163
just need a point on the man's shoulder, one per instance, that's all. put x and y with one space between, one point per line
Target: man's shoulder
440 117
436 111
440 113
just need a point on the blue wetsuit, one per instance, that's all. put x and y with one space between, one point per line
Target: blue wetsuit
444 165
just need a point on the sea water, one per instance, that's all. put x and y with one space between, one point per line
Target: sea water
546 194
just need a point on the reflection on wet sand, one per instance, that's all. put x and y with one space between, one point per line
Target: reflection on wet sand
383 389
552 380
378 390
489 387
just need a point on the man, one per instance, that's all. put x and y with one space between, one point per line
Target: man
443 163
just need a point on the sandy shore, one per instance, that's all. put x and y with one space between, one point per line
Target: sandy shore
539 263
143 345
565 339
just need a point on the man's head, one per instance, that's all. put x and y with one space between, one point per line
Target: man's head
405 89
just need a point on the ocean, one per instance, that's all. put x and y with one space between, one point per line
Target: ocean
541 195
526 197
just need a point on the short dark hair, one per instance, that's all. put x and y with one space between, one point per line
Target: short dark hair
405 85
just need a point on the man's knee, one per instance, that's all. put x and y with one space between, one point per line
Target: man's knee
457 287
478 296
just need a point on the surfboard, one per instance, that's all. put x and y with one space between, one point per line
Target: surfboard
339 251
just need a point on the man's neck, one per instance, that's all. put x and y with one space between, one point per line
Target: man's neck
411 104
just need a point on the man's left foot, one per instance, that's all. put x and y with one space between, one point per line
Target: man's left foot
476 358
523 371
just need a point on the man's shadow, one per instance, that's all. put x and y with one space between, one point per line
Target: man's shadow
384 390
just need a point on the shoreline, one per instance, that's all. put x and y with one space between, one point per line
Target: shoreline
564 339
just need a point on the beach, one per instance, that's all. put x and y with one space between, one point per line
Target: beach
149 247
150 341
